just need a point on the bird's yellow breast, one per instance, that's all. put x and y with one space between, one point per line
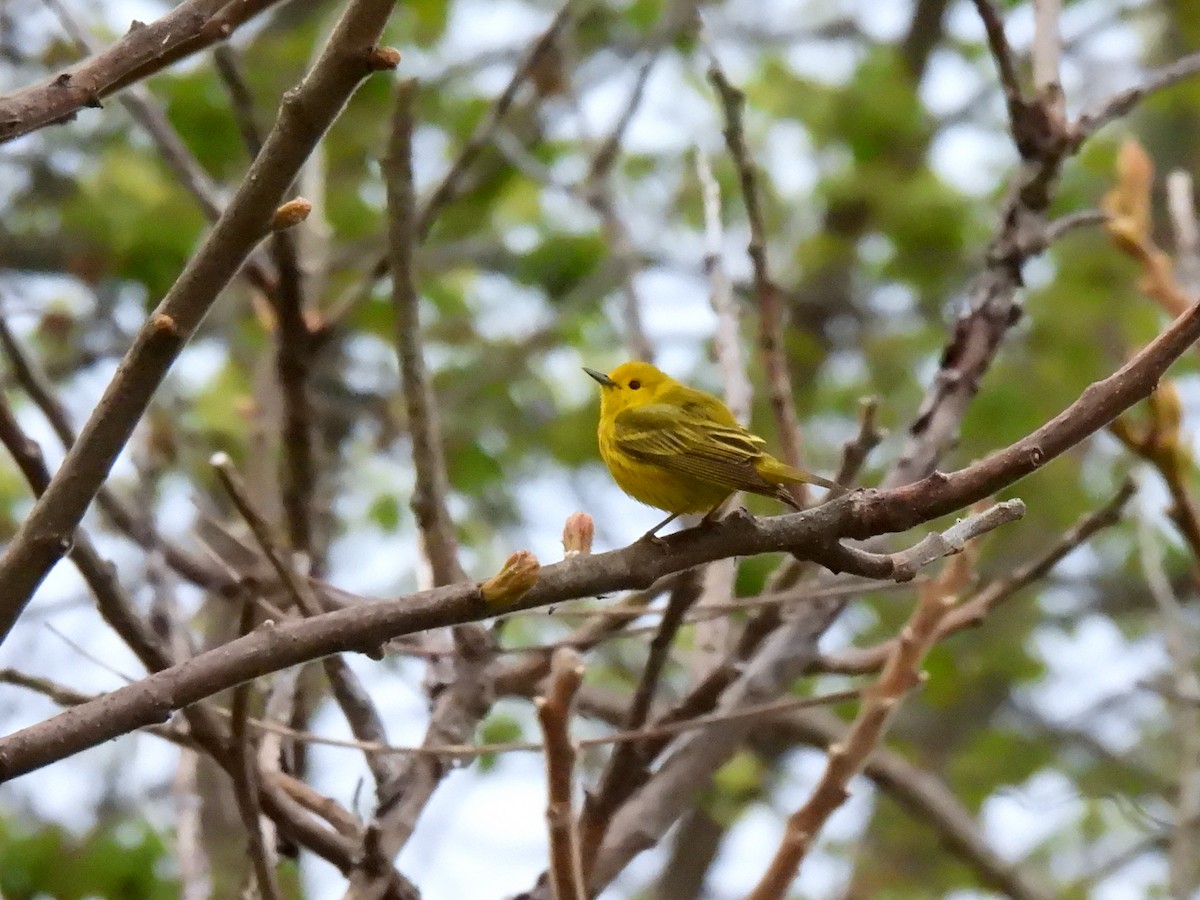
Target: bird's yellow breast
670 491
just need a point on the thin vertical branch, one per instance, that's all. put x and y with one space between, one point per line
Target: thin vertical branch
714 637
766 292
355 703
554 716
1181 208
598 188
626 769
727 342
1182 642
246 778
190 859
429 492
294 348
1047 54
241 101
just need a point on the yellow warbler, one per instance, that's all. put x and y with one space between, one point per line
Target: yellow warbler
681 449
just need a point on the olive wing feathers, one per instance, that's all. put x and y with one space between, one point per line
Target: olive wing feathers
684 440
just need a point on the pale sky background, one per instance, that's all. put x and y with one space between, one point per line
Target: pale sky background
483 836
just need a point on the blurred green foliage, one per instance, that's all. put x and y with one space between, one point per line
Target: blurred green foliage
119 860
521 283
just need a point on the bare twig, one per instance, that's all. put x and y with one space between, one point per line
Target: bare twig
352 698
905 564
451 184
597 189
626 767
924 796
713 639
1186 227
1065 224
195 881
554 715
1047 54
518 676
1001 50
35 383
241 100
245 779
429 494
1182 642
294 347
979 605
66 696
856 451
849 756
727 336
766 292
1122 103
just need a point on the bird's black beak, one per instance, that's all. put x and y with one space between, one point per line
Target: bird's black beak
604 380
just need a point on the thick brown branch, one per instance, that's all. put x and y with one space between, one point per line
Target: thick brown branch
861 514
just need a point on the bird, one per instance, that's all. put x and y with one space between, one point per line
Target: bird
681 450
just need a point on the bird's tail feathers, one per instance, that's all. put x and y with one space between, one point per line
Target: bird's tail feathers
781 473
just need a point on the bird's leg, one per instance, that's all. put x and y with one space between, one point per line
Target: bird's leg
652 534
712 517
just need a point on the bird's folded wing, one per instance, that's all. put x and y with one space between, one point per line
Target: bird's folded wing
666 436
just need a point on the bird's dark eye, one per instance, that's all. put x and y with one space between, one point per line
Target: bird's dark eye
634 385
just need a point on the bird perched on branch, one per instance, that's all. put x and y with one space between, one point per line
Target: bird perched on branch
681 449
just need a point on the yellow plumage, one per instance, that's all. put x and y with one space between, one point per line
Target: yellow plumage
681 449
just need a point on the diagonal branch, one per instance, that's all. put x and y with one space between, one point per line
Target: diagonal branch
305 115
979 605
144 50
848 757
923 795
118 612
35 383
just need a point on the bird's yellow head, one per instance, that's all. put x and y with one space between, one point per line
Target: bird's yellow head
630 384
